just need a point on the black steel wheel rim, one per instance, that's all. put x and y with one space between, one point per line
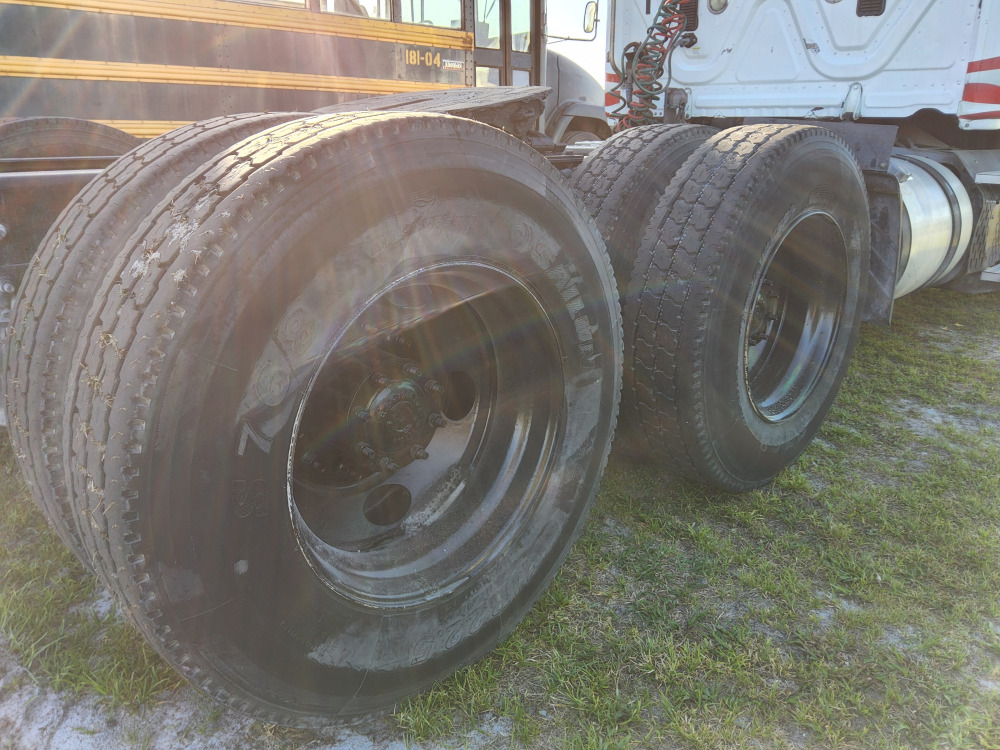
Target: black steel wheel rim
425 440
794 318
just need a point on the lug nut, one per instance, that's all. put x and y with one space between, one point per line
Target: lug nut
417 452
434 387
382 381
388 465
367 451
411 369
364 415
436 420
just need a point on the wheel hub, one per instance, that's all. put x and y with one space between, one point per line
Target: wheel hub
374 420
420 442
792 329
399 415
765 311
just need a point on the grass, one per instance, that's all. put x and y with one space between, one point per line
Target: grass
47 617
855 602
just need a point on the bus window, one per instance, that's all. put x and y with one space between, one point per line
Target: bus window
486 76
506 50
520 25
488 24
446 13
365 8
279 3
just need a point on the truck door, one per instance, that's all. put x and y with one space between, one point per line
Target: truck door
509 42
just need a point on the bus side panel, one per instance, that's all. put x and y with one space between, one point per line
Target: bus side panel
139 70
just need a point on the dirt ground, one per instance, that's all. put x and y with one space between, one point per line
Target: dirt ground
33 717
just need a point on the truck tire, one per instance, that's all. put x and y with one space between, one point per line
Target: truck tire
39 137
745 302
621 181
61 283
344 430
579 136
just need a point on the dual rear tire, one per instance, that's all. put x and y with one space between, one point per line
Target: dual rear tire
343 402
744 294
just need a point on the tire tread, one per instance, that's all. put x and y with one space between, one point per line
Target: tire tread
71 262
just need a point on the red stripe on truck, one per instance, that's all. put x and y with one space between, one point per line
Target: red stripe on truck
990 63
993 115
981 93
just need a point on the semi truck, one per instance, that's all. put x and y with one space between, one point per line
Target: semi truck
324 397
